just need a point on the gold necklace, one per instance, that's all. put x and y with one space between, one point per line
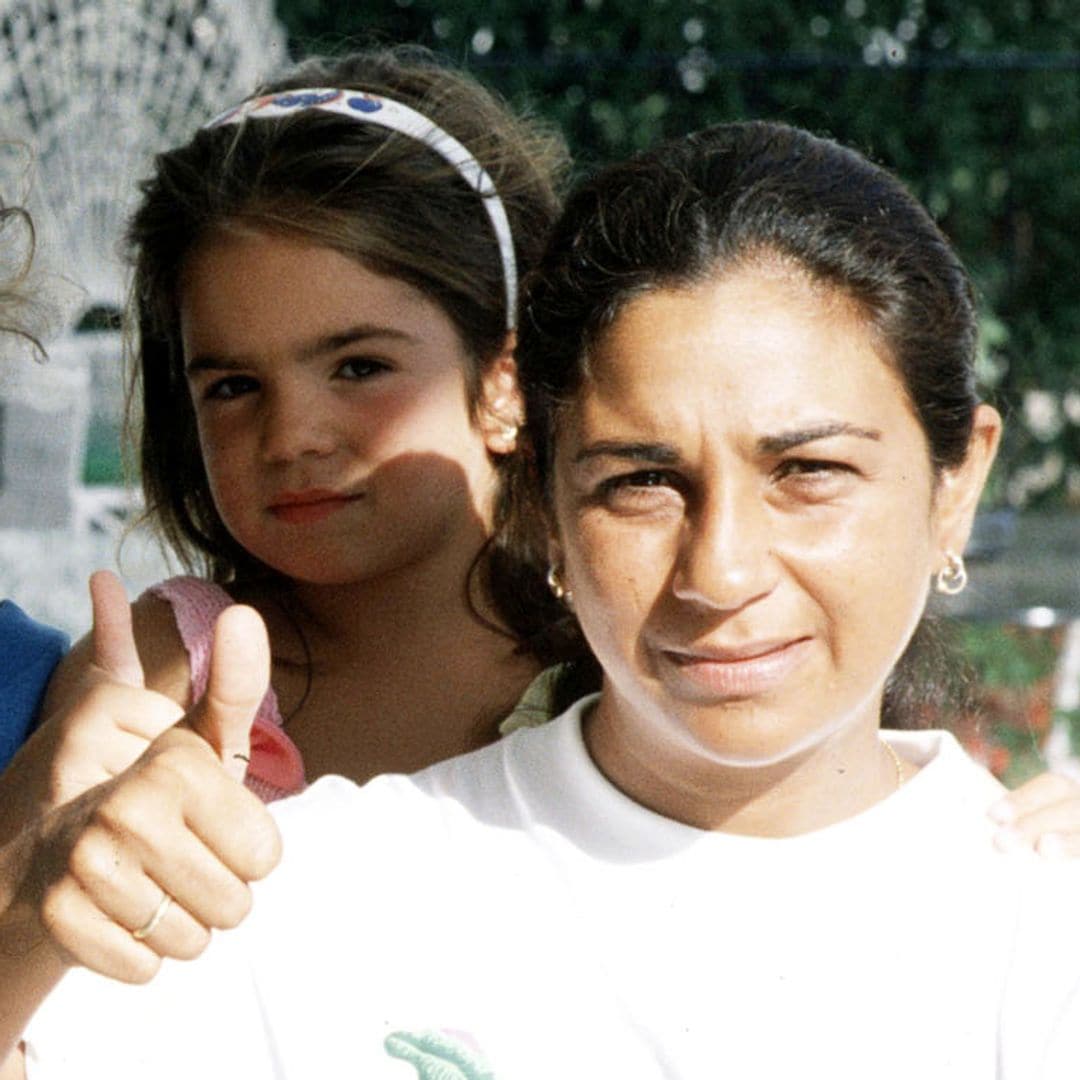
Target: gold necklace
896 761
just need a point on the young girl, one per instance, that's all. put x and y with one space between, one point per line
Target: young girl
325 289
748 363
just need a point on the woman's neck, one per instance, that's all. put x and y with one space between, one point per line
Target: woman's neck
843 774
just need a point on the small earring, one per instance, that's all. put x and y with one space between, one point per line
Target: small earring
504 439
557 587
952 577
507 418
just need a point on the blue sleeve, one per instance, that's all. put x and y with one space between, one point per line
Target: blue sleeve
29 652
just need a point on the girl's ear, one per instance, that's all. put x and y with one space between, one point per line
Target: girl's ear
959 488
501 410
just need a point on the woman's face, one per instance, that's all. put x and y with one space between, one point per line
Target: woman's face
333 411
747 517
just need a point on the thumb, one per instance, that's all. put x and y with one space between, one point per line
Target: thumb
112 635
239 676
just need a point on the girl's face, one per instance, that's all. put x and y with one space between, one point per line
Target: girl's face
333 411
748 519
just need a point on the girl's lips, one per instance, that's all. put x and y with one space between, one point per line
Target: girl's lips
309 506
743 671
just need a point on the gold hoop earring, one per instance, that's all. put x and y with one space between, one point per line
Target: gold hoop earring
952 577
561 592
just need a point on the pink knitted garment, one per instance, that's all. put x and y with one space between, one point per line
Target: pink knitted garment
276 767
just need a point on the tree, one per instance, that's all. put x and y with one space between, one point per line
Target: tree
975 105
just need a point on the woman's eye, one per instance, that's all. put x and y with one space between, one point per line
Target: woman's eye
804 466
646 478
645 487
813 472
360 367
232 386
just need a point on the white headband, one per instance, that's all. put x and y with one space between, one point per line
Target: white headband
371 109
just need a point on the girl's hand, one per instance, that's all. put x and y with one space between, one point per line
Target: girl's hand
1043 814
144 865
105 720
110 719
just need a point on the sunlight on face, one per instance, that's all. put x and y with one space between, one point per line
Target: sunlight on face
744 507
332 410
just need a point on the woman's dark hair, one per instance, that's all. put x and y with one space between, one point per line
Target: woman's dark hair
702 205
385 199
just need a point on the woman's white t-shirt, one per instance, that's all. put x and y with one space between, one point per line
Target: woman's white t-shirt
511 914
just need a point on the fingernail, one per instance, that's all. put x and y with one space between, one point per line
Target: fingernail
1003 812
1051 846
1010 840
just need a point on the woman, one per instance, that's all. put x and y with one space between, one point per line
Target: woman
747 358
299 218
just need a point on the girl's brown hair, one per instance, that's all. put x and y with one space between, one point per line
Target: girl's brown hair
382 198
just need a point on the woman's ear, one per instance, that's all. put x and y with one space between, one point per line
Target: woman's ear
554 548
959 488
501 409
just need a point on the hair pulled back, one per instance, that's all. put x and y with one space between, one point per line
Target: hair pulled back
377 196
697 207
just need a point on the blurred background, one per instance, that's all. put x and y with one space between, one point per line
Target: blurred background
975 104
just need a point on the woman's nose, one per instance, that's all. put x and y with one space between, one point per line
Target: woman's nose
726 559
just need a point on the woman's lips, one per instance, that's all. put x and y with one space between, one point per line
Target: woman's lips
738 671
303 507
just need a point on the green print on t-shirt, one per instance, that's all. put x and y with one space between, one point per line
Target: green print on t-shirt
438 1055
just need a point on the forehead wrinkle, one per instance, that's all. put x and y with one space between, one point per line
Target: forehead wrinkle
656 453
605 369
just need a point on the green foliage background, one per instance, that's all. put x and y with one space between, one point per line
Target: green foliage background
975 105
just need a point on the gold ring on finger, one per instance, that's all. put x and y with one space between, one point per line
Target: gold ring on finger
154 921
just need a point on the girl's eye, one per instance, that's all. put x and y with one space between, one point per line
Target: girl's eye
360 367
232 386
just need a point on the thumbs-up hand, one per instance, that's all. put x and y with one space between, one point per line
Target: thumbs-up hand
100 720
100 717
239 676
146 864
115 652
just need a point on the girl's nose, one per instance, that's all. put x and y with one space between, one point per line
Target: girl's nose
294 426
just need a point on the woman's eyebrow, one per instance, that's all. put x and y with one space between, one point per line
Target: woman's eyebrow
656 453
786 440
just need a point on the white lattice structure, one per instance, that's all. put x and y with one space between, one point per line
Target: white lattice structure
96 87
90 90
